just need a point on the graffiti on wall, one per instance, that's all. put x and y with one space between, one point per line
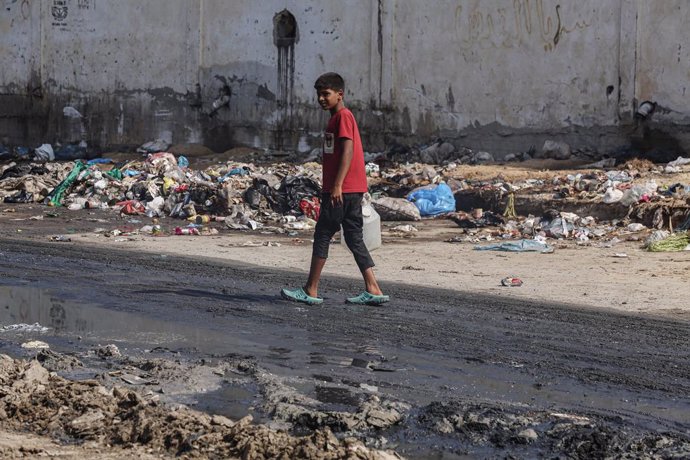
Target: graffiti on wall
525 21
67 14
59 10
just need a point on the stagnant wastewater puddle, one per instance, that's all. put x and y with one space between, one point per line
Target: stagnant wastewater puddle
336 372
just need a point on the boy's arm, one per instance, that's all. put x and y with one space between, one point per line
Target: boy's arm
343 168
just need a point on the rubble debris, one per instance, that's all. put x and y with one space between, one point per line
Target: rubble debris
555 150
511 428
36 401
108 351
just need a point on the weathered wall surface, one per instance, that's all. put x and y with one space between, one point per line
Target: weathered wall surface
663 66
494 74
539 65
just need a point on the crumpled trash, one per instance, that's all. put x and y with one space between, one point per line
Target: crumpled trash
433 200
56 196
311 207
159 145
558 228
657 235
517 246
187 231
287 197
372 169
405 229
485 219
154 208
396 209
131 207
612 195
680 161
243 171
511 282
44 153
635 227
20 197
619 176
638 193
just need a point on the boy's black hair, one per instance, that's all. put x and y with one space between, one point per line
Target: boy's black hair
330 80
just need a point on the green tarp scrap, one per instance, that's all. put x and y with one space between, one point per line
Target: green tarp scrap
115 174
55 197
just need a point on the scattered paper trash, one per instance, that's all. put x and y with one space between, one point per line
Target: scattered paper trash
21 327
511 282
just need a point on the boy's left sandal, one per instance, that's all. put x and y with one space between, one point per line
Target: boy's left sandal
298 295
366 298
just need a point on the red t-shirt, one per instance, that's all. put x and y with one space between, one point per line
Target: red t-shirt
342 125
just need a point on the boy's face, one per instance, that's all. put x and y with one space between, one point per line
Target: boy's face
328 98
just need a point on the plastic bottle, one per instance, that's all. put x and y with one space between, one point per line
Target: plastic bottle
200 219
186 231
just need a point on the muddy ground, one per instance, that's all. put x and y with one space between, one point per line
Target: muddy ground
158 349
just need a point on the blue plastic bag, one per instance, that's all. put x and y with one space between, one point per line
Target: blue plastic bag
433 201
517 246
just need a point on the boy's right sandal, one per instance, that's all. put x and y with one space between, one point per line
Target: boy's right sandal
298 295
366 298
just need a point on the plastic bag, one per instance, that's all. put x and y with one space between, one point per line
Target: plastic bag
44 153
433 201
396 209
517 246
311 207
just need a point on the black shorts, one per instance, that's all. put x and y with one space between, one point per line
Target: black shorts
349 216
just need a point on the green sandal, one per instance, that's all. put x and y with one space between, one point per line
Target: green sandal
298 295
368 299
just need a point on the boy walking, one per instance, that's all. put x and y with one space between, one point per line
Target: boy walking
344 185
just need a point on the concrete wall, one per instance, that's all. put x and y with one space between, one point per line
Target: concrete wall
495 74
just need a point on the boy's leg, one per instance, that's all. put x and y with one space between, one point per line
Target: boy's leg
353 224
370 283
315 269
326 226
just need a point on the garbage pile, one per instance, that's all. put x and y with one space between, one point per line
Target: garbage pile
632 189
278 198
285 198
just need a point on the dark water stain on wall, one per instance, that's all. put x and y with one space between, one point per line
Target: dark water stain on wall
285 35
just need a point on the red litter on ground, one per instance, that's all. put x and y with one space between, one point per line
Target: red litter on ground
510 281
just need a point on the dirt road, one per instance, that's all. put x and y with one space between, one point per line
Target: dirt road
438 373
